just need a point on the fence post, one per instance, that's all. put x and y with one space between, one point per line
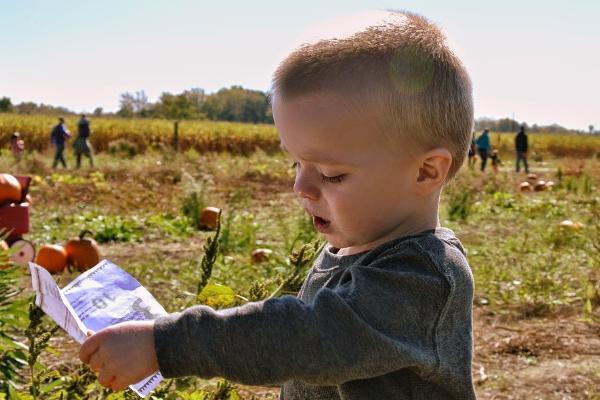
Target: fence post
176 136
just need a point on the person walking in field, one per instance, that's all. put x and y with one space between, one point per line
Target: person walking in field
521 145
484 145
58 136
82 144
385 311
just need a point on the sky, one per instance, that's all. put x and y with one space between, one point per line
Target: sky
536 61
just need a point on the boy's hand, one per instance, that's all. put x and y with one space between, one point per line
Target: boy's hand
121 354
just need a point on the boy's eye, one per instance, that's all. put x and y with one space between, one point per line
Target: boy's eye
333 179
324 178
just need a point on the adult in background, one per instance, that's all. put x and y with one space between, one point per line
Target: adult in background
59 134
484 146
82 144
521 147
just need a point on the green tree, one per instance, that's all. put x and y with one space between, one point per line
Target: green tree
5 105
238 104
186 105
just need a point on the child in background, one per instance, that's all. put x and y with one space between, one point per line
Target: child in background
17 146
495 161
376 124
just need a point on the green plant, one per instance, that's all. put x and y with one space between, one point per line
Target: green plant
38 335
123 147
193 201
13 315
300 260
459 206
211 250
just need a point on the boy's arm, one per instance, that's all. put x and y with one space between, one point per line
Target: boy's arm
383 317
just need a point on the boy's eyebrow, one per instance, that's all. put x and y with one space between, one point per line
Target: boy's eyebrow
317 157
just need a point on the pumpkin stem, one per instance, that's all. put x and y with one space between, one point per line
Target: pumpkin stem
85 232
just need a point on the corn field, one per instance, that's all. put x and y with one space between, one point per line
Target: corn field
201 136
237 138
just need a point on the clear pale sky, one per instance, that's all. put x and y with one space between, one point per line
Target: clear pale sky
536 60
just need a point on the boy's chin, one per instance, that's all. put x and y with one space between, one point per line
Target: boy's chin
335 242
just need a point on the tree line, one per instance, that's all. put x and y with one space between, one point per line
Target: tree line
233 104
511 125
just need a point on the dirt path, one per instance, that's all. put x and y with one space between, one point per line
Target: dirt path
556 356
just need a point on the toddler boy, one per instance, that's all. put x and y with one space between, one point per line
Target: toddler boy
376 124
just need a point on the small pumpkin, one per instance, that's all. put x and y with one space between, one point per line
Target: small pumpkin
261 255
525 187
540 185
210 217
82 253
568 224
53 257
10 189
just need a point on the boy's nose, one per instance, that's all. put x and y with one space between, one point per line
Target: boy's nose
304 188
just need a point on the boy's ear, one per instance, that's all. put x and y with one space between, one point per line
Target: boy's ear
432 167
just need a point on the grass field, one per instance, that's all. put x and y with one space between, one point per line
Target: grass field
537 284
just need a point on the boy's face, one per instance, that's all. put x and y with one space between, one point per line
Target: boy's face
358 191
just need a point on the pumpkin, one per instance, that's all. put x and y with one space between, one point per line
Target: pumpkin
540 185
532 177
525 187
568 224
53 257
261 255
10 189
82 253
210 217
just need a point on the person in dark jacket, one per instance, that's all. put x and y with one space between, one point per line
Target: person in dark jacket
59 134
82 144
521 148
484 146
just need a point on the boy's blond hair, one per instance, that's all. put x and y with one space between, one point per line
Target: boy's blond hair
401 70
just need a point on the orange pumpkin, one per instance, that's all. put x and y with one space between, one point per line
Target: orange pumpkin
53 257
525 187
10 189
82 253
210 217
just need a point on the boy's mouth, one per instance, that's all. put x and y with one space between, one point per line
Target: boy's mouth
321 224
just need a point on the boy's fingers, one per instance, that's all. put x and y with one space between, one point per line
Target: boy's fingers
106 378
117 385
89 347
95 362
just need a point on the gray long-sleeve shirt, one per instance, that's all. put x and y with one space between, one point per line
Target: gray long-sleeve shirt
393 322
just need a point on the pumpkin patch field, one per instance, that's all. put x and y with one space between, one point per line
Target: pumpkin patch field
155 212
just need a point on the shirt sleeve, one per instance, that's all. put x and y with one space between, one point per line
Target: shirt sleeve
382 317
